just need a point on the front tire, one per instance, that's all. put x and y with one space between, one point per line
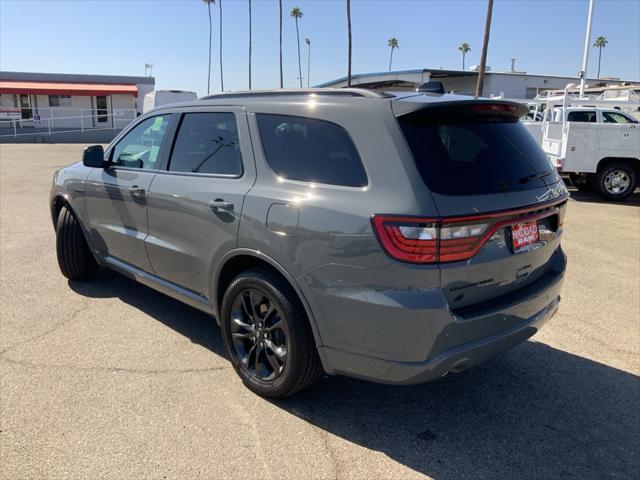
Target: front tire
75 259
267 335
616 181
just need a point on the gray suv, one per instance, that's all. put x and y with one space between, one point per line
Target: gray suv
388 237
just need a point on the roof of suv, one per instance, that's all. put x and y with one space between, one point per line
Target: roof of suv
410 101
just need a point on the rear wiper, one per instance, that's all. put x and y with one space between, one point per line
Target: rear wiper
534 176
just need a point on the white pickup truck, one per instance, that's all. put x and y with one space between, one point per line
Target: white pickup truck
595 147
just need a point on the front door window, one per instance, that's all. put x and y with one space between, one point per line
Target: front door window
141 146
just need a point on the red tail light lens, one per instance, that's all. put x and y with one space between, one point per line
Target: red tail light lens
495 107
429 240
407 239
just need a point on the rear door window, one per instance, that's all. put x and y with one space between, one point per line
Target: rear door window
207 142
586 116
310 150
476 157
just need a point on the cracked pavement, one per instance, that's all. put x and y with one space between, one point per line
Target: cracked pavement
110 379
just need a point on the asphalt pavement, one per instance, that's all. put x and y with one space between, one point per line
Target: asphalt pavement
110 379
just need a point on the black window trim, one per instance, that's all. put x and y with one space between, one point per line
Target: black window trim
165 170
305 182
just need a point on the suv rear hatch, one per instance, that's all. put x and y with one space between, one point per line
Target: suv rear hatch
500 203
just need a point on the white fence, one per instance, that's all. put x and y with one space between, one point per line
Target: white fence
48 121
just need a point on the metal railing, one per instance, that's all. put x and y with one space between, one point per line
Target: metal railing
46 120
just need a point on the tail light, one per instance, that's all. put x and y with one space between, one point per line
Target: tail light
433 240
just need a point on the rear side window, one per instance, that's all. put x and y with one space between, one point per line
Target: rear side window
588 116
310 150
476 157
207 143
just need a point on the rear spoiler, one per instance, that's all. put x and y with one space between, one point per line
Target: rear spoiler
459 108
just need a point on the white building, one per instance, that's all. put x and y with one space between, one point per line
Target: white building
519 85
67 101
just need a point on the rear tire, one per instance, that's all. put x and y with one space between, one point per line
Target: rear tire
75 259
582 183
267 335
616 181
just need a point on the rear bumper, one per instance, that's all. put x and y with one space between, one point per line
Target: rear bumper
524 319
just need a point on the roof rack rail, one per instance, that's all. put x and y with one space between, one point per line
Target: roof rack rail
346 92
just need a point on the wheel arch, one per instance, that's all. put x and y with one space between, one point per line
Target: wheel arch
604 162
239 260
58 201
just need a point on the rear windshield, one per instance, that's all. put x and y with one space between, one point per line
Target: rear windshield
470 157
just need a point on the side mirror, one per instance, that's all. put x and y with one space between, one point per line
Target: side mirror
93 157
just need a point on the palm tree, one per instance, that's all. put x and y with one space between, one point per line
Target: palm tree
281 77
349 30
308 42
485 46
296 13
209 2
600 43
464 48
249 44
393 43
221 76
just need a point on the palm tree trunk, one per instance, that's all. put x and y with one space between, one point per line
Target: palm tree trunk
485 46
221 76
281 77
390 58
599 58
463 55
249 44
349 30
299 62
210 34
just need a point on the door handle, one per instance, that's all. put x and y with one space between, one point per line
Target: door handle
137 191
219 204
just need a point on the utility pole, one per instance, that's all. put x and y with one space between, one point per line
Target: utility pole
485 46
585 54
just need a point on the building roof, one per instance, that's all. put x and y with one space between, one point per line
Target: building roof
75 78
60 88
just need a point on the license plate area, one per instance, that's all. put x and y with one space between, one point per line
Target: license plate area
524 236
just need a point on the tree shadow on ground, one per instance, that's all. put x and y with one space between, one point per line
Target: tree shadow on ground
535 412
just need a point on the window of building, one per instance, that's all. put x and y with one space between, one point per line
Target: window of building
310 150
207 143
60 101
140 147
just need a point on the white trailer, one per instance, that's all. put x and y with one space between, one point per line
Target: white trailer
163 97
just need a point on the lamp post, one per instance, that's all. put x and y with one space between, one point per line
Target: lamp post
308 59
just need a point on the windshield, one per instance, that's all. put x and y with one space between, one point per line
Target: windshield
476 157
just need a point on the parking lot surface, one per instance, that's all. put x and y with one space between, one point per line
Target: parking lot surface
110 379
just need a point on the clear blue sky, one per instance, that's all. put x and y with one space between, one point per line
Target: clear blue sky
118 37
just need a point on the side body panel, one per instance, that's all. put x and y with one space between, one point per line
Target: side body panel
188 234
355 291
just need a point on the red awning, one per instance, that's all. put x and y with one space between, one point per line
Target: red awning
60 88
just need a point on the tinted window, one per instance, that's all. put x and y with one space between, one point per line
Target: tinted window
141 146
207 143
613 117
476 158
588 116
310 151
